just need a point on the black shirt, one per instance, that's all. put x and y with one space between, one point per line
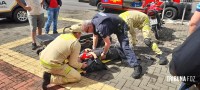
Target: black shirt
106 28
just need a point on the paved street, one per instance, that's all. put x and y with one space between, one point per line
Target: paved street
20 68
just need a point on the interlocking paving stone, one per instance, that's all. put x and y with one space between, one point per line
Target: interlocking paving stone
13 78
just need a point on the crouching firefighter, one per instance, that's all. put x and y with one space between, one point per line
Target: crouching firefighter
136 19
60 59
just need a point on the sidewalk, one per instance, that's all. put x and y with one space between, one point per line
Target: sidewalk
20 68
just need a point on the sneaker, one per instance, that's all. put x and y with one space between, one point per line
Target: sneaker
137 72
46 80
39 50
34 46
55 32
46 32
162 60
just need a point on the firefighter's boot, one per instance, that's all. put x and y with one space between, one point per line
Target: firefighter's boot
162 59
137 72
46 80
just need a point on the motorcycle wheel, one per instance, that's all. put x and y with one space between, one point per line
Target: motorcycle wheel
156 32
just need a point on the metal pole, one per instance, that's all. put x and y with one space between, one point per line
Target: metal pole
163 12
184 13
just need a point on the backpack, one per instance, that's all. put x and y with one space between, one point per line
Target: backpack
94 65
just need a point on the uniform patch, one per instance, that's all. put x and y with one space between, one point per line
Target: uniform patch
102 14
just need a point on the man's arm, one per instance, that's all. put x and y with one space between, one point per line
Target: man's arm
60 2
194 22
28 8
106 47
74 56
95 41
42 2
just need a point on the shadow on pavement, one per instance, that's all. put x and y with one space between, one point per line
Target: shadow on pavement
147 57
188 17
104 75
166 34
8 23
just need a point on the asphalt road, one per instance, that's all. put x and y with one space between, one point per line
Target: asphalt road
75 5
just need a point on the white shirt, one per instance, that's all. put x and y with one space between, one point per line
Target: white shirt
35 5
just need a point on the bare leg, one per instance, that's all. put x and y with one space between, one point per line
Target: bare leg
39 31
33 34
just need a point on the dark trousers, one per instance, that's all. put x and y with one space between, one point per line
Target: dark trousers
122 35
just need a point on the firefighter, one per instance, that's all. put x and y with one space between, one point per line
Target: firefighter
139 20
102 26
60 58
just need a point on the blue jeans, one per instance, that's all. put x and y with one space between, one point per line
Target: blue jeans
130 57
52 16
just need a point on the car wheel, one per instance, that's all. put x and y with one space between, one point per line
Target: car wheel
171 13
100 8
20 15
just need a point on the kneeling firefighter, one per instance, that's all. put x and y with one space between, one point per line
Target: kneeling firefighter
136 19
60 58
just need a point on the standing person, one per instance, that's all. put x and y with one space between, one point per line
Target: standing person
136 19
194 21
102 26
52 7
35 17
181 57
60 58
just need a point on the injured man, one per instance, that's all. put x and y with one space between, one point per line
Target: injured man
114 52
92 57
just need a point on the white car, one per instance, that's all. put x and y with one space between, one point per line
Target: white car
10 9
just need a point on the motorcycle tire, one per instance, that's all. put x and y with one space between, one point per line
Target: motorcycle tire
156 32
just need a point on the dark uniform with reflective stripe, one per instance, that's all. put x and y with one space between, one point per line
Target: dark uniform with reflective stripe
107 24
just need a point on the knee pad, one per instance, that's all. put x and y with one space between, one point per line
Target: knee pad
148 42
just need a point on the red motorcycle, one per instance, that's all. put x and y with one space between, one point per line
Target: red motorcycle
154 13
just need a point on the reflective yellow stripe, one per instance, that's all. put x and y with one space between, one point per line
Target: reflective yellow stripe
50 66
66 61
46 64
67 36
68 69
156 49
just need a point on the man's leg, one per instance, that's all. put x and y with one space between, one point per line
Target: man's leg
133 37
40 23
66 75
60 76
147 34
130 55
55 19
49 20
33 26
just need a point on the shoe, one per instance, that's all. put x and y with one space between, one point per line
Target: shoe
162 60
55 32
137 72
46 32
39 50
46 80
34 46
